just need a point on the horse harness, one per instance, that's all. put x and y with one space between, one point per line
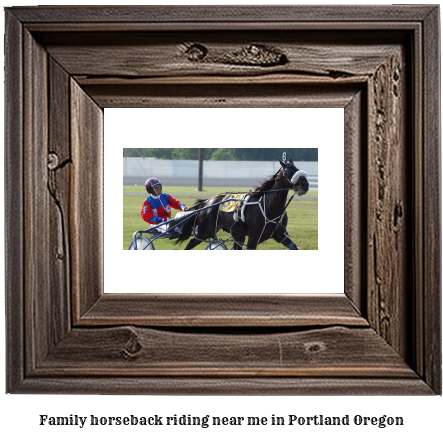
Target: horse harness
245 202
277 220
294 181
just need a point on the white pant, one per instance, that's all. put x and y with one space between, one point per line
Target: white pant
161 228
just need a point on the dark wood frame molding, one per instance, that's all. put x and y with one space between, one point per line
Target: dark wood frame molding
379 63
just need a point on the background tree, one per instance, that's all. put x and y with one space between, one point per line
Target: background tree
224 154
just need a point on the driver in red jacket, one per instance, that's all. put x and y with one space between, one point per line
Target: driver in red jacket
156 208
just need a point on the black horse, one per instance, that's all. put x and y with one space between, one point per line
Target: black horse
264 213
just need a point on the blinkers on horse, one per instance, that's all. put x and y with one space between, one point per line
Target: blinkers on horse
297 178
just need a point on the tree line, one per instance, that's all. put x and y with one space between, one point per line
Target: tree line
223 154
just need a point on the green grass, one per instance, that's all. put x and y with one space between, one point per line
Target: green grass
302 224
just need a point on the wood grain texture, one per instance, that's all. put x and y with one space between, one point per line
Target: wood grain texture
86 219
161 56
129 351
388 202
228 386
37 305
64 335
418 244
306 386
59 168
431 316
224 14
234 95
240 310
14 264
354 191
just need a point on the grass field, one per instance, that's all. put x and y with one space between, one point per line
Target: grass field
302 213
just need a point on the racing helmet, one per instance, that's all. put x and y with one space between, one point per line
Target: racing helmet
150 183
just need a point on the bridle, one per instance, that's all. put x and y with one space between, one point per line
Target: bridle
295 179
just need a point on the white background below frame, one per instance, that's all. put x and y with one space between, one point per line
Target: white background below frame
319 271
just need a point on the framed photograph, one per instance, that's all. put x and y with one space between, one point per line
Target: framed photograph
254 129
376 332
172 157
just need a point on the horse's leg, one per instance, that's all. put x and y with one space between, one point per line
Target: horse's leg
252 242
239 241
204 229
201 236
255 233
289 244
239 235
281 236
192 244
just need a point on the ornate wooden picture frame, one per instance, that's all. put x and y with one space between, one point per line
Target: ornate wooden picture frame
65 64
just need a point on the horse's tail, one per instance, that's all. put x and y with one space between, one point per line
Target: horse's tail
189 223
187 230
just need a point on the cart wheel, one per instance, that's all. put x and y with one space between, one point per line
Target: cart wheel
216 245
143 243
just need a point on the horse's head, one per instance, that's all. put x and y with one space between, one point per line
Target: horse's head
294 178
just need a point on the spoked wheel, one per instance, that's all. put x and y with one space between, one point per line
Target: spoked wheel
216 245
143 243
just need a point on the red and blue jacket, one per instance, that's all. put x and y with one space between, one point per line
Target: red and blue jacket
156 209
